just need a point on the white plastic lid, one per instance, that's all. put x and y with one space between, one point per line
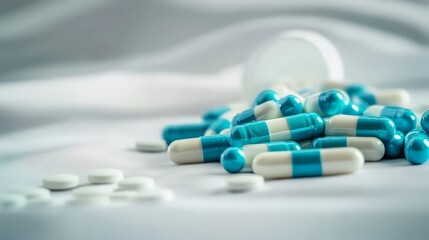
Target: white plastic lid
298 57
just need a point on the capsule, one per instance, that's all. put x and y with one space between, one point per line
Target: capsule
396 97
395 147
371 148
404 119
275 93
175 132
308 163
360 126
352 109
223 122
215 113
236 159
289 105
326 103
350 89
424 122
198 150
417 147
292 128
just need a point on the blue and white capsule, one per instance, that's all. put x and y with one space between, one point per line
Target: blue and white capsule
236 159
308 163
417 147
275 93
424 122
404 119
198 150
182 131
292 128
350 89
360 126
289 105
395 97
395 147
372 148
327 103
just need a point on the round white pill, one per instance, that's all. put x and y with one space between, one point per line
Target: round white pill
123 196
105 175
136 183
32 193
244 182
12 201
156 195
60 181
93 191
155 145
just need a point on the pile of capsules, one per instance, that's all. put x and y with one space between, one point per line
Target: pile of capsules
290 133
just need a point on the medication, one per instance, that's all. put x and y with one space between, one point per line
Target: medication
136 183
154 145
32 193
235 159
275 93
308 163
289 105
371 148
327 103
156 195
417 147
215 113
361 126
404 119
424 122
105 175
198 150
396 97
12 201
395 147
175 132
352 109
223 122
60 181
350 89
244 182
292 128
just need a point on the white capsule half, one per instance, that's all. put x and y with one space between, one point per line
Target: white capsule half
308 163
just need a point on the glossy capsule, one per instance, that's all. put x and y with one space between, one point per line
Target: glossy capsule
396 97
417 147
222 123
236 159
326 103
352 109
360 126
308 163
404 119
289 105
371 148
395 147
198 150
424 122
275 93
182 131
350 89
293 128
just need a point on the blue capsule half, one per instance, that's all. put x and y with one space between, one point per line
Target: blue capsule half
395 147
404 119
424 122
291 128
417 147
175 132
327 103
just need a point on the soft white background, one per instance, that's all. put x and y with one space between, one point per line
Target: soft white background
80 81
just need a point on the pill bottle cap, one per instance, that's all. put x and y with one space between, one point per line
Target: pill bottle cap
300 58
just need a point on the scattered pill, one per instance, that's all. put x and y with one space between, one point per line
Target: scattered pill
198 150
327 103
404 119
176 132
417 147
153 145
60 181
395 147
32 193
372 148
292 128
308 163
105 175
136 183
244 182
156 195
361 126
289 105
12 201
424 122
236 159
